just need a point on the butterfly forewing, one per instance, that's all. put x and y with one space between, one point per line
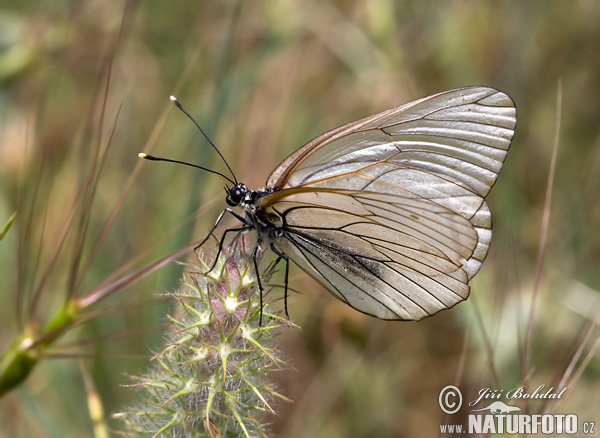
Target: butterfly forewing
389 212
465 133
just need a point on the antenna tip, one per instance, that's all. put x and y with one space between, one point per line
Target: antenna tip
173 99
142 155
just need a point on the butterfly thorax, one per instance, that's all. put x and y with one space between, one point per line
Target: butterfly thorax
268 226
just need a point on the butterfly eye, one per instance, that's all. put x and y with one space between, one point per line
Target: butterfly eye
236 194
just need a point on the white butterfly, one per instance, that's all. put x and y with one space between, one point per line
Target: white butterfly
388 213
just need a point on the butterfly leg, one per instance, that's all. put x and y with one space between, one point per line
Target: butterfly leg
260 288
287 270
242 219
245 228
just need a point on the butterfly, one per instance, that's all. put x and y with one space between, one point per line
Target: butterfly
388 213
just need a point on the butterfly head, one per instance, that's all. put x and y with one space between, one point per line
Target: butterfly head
236 195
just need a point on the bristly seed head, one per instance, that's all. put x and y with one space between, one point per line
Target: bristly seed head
216 353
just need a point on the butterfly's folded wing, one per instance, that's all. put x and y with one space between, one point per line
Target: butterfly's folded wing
417 175
389 256
464 134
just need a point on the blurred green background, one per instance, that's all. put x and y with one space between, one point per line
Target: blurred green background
263 78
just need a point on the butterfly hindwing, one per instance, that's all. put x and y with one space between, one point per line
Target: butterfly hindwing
388 256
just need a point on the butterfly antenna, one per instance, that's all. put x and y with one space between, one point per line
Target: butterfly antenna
184 111
153 158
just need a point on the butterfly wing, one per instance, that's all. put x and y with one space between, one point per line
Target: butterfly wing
431 160
464 133
390 256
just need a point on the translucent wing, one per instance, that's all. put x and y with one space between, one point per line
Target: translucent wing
392 257
463 133
389 212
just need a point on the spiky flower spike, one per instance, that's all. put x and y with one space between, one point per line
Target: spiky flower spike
212 378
